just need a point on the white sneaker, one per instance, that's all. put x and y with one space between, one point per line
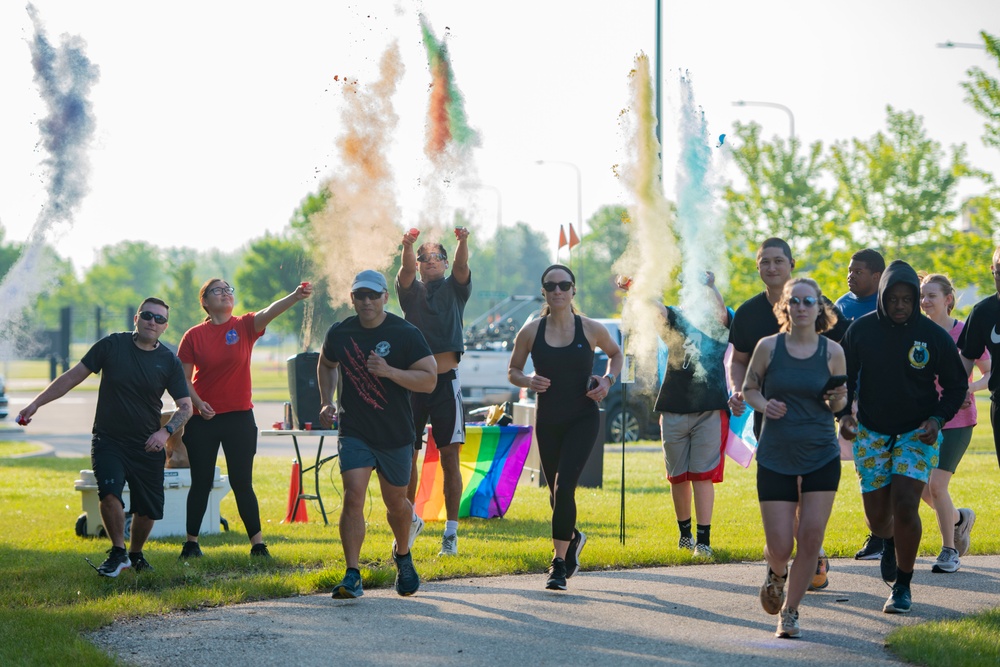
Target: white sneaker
947 561
963 531
449 545
788 625
416 526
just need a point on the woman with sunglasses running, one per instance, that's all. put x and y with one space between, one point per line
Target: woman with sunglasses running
798 457
216 359
561 344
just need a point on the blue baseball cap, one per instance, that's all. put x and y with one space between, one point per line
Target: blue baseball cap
369 279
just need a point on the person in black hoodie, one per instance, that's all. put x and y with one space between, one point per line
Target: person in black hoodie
894 356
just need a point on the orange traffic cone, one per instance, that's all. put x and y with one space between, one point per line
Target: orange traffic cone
294 490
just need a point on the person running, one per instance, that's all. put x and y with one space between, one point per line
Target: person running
798 458
896 359
937 299
863 274
129 443
694 413
561 344
435 304
379 358
216 358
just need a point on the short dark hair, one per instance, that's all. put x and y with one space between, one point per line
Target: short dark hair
153 299
427 245
775 242
872 258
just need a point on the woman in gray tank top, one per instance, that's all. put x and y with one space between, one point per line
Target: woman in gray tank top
798 458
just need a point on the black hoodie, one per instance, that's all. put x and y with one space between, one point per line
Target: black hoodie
898 364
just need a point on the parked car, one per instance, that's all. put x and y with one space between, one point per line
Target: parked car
637 418
3 398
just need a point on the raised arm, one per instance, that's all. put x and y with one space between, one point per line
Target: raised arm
56 389
407 261
262 318
460 264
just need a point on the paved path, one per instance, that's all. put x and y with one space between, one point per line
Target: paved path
690 615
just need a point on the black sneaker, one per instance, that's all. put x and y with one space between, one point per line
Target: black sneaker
260 550
557 575
573 552
350 587
190 550
139 564
899 601
407 579
888 562
116 561
871 550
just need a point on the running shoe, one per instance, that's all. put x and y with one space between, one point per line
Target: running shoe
573 552
772 592
871 549
350 587
820 580
703 551
947 561
139 564
449 545
407 580
686 542
116 561
963 531
260 550
416 527
788 625
887 565
190 550
899 601
557 575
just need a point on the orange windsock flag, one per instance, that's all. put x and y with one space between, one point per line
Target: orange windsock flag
562 237
573 238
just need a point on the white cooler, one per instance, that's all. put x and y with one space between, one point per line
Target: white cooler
176 482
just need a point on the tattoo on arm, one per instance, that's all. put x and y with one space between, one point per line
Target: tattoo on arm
181 415
753 379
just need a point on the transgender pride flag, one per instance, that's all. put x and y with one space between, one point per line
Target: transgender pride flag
491 461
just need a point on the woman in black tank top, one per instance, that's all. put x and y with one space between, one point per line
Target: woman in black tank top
561 344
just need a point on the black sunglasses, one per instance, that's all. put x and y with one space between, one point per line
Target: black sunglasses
366 295
807 300
564 285
159 319
428 256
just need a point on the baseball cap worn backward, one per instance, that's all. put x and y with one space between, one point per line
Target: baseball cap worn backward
369 279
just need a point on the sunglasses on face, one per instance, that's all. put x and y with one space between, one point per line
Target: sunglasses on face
431 256
159 319
806 300
564 285
219 291
366 296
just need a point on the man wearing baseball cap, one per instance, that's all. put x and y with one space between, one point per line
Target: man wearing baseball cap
383 359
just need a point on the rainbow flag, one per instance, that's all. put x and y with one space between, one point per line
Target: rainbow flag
491 462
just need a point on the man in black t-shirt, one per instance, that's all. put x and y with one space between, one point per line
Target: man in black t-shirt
129 443
382 359
435 304
982 332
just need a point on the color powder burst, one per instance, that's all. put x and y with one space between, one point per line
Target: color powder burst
358 229
651 253
447 122
64 76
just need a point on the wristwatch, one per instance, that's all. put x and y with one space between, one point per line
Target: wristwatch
169 429
612 378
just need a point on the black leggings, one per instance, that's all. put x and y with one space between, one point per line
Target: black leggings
995 422
237 433
564 449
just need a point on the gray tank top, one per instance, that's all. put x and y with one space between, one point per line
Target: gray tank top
804 439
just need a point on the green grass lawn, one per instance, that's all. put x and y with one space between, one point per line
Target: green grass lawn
50 595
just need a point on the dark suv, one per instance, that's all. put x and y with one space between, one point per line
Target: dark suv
638 419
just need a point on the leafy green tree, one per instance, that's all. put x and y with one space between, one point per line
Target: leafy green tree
983 92
9 252
271 269
182 294
604 242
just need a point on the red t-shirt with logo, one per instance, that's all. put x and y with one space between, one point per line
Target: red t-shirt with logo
220 354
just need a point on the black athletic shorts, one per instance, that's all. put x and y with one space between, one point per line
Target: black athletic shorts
776 486
115 464
443 408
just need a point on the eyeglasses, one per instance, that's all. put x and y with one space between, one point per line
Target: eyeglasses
995 272
159 319
431 256
808 301
219 291
366 295
564 285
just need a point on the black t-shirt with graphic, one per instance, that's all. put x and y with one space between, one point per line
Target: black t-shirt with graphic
375 409
695 377
133 380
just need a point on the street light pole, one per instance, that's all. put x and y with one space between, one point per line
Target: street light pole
960 45
579 190
773 105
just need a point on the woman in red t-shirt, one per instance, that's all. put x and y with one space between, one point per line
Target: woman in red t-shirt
216 359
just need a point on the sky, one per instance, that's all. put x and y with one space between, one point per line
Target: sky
215 119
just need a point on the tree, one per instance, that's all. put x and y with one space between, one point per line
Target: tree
184 299
604 242
983 93
271 269
9 252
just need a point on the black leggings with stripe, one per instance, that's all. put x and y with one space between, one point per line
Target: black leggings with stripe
564 449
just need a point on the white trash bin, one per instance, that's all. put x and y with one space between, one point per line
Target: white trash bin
176 483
